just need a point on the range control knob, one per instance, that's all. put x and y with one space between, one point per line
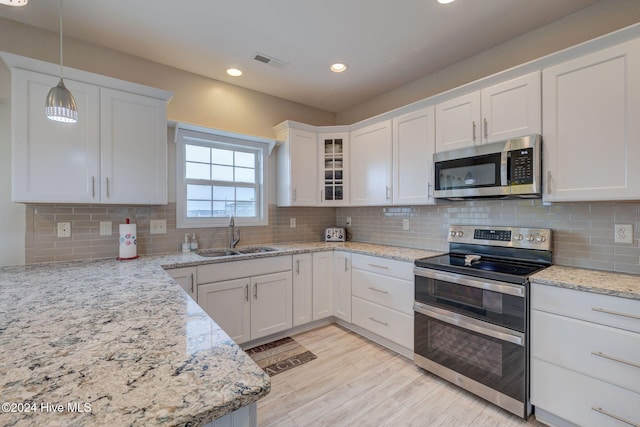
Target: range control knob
519 237
541 238
452 233
531 237
460 234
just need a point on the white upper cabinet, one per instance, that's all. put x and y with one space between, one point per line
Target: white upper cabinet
133 141
297 166
591 136
505 110
370 154
115 153
53 161
334 159
413 148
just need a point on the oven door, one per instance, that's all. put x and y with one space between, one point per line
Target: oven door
472 172
487 360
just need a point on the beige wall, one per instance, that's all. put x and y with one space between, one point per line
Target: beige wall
602 18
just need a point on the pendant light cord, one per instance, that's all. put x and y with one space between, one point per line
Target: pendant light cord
60 13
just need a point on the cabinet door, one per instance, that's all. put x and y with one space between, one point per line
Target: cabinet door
297 168
271 300
370 165
342 285
512 109
413 147
458 122
591 132
53 161
322 284
227 303
186 278
333 177
133 136
302 289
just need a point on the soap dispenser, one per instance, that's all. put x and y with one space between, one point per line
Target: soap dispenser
186 246
194 243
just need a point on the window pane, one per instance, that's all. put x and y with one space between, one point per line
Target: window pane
198 209
245 175
246 209
247 160
224 193
222 209
222 173
198 171
195 153
201 192
246 194
222 157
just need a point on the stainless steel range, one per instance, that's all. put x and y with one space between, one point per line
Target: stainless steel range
472 311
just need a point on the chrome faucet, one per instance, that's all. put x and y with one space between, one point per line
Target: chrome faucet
233 240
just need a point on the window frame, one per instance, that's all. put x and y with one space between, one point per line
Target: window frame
220 139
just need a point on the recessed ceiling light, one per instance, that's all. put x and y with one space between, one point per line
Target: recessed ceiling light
338 67
14 2
234 72
445 1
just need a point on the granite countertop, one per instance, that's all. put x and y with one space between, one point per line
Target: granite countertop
120 343
601 282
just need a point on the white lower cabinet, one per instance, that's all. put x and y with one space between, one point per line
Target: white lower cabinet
186 278
249 307
342 285
382 297
302 289
247 416
322 284
585 357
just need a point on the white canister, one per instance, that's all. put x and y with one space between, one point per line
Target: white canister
128 241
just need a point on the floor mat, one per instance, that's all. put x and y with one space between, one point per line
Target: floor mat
280 356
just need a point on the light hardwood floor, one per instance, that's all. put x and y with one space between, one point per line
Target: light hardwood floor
355 382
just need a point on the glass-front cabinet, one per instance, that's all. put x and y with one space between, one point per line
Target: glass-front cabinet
333 168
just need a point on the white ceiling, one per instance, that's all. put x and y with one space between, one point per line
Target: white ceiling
386 43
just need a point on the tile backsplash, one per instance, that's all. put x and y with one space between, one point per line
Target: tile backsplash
583 233
43 245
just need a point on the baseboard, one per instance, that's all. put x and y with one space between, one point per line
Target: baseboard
551 420
289 332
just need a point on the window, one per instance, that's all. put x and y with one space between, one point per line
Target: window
219 175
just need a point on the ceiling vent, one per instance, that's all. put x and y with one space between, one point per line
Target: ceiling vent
270 60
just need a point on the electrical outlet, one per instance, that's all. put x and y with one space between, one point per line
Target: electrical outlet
158 226
348 224
106 228
292 223
623 233
64 229
405 224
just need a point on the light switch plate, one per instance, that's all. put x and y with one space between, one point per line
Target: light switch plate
106 228
623 233
158 226
292 223
405 224
64 229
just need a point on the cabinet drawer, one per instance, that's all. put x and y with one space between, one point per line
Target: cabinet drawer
607 310
571 343
570 395
390 324
236 269
384 290
388 267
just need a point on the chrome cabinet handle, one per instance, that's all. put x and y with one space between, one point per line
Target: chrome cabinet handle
388 192
429 190
382 291
615 359
486 129
93 187
107 187
474 131
548 182
615 313
295 195
191 280
346 267
321 196
614 416
378 321
255 291
246 292
298 266
379 266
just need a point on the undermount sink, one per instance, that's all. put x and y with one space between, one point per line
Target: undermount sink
214 253
256 250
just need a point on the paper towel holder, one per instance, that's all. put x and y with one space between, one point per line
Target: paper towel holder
128 238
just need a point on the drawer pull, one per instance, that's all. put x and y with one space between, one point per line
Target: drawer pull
378 321
382 291
615 313
614 416
379 266
615 359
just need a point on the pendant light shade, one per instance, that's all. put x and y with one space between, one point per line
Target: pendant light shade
60 104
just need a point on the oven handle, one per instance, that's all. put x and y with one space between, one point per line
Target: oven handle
470 324
490 285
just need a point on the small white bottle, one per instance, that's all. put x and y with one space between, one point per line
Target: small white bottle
186 246
194 243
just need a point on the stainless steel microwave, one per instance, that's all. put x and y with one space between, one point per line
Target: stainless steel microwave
506 169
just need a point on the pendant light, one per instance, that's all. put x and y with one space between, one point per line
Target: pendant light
60 105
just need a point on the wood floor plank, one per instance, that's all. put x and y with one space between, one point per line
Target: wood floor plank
355 382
